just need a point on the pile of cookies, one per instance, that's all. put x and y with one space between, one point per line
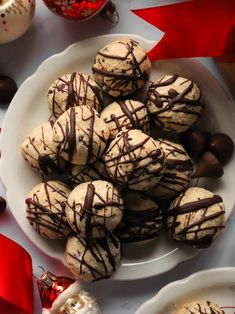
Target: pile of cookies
105 174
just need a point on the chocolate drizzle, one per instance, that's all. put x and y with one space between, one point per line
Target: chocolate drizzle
47 215
90 137
79 90
124 81
130 164
71 134
71 99
195 225
134 116
174 102
128 113
177 164
193 206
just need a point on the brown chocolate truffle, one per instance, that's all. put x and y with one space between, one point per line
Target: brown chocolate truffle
195 142
222 146
3 204
208 167
8 89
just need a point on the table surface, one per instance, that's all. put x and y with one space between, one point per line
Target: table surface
50 34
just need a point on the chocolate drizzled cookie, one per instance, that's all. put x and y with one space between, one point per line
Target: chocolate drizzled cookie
126 114
178 171
46 209
174 103
200 307
142 218
80 135
196 217
135 160
74 89
94 209
92 261
39 150
121 67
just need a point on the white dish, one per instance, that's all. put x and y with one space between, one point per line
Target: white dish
216 285
29 108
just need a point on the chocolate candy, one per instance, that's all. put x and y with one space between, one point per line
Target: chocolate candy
3 204
8 89
195 142
209 166
222 146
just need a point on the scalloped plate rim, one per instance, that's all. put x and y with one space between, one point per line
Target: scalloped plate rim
155 300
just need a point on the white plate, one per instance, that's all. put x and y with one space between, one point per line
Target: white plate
29 108
216 285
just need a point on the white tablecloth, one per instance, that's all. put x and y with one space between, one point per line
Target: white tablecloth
50 34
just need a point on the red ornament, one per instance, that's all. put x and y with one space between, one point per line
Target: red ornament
50 287
79 9
63 295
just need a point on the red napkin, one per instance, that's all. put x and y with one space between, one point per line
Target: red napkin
199 28
16 283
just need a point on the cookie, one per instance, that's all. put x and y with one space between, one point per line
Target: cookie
39 150
199 307
126 114
74 89
94 208
142 220
178 171
80 135
121 67
93 261
46 209
135 160
196 217
174 103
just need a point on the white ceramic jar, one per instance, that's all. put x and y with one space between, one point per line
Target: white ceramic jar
15 18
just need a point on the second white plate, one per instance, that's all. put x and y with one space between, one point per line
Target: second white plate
29 108
216 285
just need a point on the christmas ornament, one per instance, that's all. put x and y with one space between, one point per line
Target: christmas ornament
15 18
80 9
8 89
16 284
63 295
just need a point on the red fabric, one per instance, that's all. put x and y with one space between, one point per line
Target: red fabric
199 28
16 283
